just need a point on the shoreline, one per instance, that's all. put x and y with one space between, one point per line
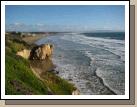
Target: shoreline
39 68
83 77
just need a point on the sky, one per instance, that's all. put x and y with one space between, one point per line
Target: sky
65 18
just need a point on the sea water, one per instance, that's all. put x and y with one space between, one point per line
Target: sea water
94 62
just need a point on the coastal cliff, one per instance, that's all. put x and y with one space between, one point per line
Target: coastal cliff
31 77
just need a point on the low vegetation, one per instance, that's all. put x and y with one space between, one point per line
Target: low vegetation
57 85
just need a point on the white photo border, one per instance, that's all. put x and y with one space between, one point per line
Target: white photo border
85 97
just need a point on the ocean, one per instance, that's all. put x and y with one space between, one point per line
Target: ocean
107 35
94 62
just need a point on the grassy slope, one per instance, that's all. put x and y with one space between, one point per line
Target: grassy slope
20 78
58 85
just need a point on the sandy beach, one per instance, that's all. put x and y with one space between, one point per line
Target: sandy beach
32 39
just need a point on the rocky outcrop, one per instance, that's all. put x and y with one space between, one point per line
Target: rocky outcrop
76 92
25 53
41 52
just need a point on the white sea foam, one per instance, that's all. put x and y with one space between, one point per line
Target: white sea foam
107 58
109 67
112 45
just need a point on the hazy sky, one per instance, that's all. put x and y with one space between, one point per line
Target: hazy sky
65 18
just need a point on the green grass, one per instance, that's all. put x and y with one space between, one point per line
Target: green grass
18 70
19 78
58 85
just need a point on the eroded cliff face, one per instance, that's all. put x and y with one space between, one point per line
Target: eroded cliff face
42 65
25 53
40 52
